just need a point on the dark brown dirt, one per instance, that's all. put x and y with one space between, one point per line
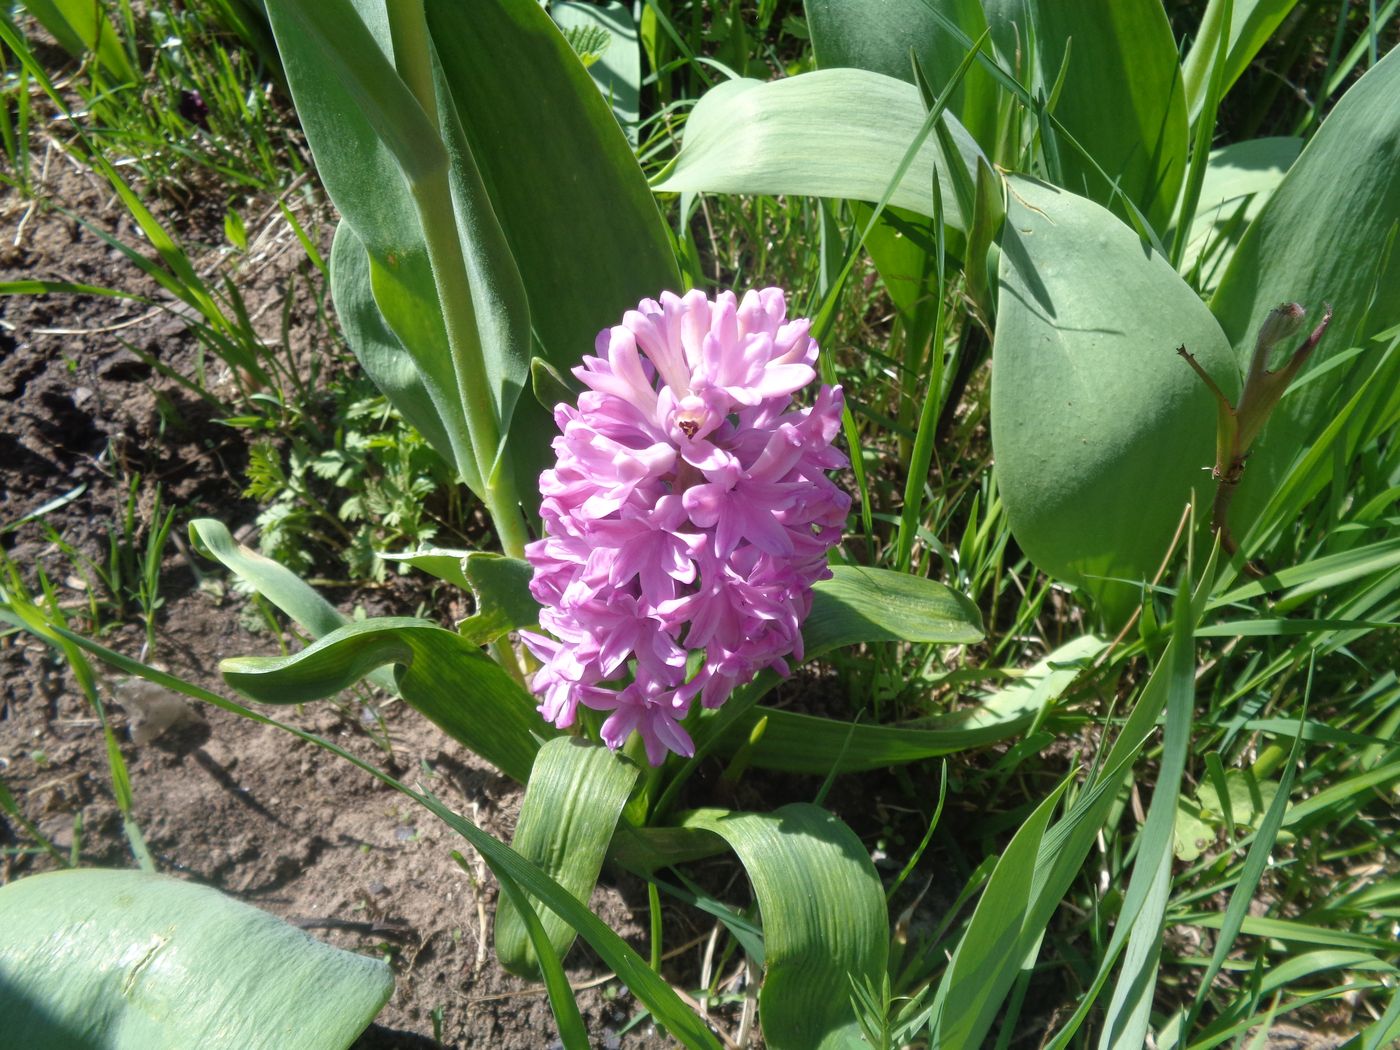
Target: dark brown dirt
221 800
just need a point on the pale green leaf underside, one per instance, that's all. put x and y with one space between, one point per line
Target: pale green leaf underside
831 133
123 960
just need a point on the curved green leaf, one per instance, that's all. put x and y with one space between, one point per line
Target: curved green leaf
124 960
824 919
1329 233
879 36
440 674
1121 98
798 743
831 133
573 799
1101 431
275 582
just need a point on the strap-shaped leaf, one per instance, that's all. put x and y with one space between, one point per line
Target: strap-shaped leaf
125 960
439 673
831 133
1100 429
573 799
798 743
824 919
1328 233
277 583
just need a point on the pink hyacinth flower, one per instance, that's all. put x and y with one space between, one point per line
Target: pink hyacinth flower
688 511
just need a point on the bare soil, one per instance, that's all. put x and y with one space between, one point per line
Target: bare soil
221 800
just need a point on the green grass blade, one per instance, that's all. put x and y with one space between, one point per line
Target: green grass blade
573 1034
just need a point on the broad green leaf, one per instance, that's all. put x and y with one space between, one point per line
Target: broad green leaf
1328 234
439 562
1251 24
824 919
501 587
831 133
275 582
1101 431
631 968
617 70
878 35
123 960
800 743
439 673
1121 97
878 605
424 397
1239 180
568 192
573 799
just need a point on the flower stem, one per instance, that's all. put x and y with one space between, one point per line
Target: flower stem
432 196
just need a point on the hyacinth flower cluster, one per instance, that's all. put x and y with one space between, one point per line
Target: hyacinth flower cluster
687 516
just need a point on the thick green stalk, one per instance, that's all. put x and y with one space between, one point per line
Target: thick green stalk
432 196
